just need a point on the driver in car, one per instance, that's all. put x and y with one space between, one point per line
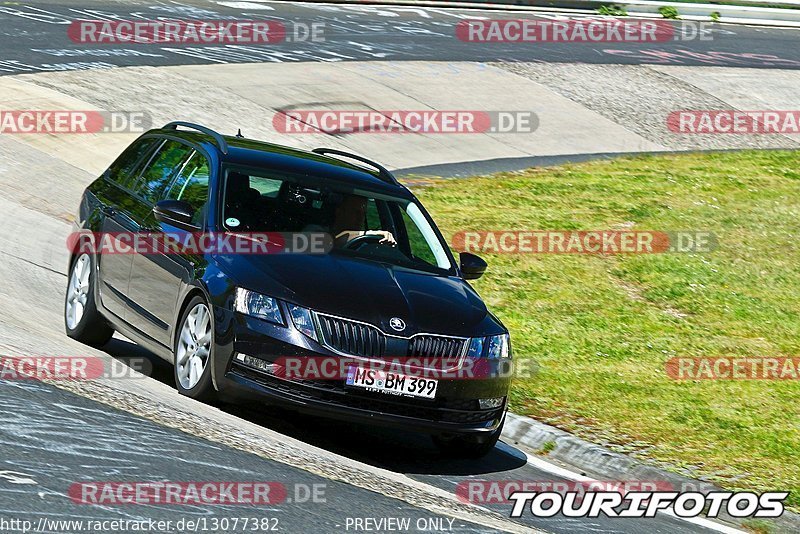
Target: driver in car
350 220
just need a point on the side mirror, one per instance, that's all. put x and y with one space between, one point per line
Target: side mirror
472 266
175 212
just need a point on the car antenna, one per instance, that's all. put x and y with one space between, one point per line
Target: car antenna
239 133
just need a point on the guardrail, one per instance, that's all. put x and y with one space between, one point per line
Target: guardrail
702 11
553 3
705 10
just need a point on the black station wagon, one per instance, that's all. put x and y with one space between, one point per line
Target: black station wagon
386 286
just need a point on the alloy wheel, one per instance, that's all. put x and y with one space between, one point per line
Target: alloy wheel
78 290
194 346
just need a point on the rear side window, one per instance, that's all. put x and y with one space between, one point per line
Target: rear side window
125 170
191 186
266 186
164 166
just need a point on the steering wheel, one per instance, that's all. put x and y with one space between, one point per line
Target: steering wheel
360 241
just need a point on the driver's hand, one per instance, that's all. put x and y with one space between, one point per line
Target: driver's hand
387 237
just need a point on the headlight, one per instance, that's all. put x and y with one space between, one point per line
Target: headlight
258 305
301 318
476 347
498 347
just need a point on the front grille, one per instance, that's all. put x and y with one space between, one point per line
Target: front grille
426 346
359 339
352 338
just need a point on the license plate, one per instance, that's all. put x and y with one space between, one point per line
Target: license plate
391 383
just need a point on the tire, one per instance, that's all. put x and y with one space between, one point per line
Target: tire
82 321
468 446
193 351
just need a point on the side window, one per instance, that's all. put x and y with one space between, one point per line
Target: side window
373 216
417 243
192 186
125 170
162 169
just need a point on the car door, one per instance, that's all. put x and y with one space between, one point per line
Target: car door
114 193
155 280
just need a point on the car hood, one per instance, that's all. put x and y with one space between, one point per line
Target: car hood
368 291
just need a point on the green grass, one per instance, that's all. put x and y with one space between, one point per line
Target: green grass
602 327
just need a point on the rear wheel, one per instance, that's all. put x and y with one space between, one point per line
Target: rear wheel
82 321
194 347
468 446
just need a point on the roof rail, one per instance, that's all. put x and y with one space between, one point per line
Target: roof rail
384 174
223 146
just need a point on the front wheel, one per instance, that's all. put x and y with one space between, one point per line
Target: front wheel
468 446
194 348
82 321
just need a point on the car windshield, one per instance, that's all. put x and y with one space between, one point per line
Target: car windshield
363 224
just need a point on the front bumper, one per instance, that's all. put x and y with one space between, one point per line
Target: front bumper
455 410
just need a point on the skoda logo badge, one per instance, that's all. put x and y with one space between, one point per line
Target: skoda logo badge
397 324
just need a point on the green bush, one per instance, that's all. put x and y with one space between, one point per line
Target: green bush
613 10
668 12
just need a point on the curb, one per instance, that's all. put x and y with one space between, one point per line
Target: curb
601 463
760 16
589 458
